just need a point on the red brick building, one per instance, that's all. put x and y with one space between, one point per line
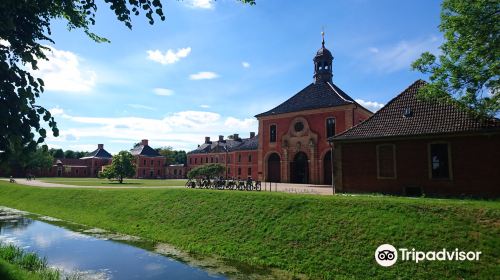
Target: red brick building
292 144
239 155
412 147
87 166
175 171
148 162
293 137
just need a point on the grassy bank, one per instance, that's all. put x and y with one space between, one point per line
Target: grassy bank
322 237
18 264
106 182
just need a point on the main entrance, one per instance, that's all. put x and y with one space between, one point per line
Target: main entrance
274 168
299 169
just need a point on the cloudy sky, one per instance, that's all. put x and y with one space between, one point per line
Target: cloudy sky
211 66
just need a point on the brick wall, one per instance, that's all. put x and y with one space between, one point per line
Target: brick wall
474 167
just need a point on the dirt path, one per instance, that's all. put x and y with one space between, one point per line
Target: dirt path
280 187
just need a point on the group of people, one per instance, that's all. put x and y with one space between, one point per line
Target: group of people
30 177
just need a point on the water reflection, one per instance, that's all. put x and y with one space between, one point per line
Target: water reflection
91 257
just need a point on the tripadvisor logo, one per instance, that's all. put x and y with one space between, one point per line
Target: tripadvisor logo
387 255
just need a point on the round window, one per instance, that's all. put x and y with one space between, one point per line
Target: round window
299 126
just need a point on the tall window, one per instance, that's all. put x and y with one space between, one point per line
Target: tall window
211 160
206 160
239 171
440 166
249 171
249 158
195 160
239 157
330 127
386 161
272 133
190 160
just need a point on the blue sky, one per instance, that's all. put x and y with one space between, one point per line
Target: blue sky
211 66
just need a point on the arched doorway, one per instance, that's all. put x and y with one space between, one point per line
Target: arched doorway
274 168
327 168
299 169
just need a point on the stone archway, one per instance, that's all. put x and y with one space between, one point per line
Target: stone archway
327 168
299 169
273 168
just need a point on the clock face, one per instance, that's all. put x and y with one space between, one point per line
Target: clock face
299 126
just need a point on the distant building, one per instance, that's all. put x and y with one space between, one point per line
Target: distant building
148 162
175 171
292 144
239 155
414 147
87 166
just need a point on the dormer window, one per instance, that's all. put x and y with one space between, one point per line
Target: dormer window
407 112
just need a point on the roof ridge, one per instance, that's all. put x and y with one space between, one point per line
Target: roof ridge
381 109
333 88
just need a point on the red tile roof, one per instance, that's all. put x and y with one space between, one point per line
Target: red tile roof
407 115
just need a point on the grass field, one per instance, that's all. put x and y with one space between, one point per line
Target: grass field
321 237
106 182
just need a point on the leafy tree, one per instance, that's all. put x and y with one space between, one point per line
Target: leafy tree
40 159
180 157
168 153
69 154
57 153
468 70
207 170
172 156
80 154
122 166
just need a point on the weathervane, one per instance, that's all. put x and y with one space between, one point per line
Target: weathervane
323 36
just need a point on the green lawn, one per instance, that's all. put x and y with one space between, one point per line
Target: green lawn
106 182
321 237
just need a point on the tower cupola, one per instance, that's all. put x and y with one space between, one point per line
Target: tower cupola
323 64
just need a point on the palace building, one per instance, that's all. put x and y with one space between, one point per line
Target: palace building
292 144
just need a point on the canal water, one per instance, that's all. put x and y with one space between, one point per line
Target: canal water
90 254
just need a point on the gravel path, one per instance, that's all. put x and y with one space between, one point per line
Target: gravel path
280 187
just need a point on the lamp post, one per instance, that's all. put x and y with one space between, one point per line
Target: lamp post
330 142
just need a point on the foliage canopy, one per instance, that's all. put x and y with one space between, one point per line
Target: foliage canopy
467 72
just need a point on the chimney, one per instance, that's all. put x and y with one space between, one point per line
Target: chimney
221 138
144 142
252 134
207 139
100 146
236 136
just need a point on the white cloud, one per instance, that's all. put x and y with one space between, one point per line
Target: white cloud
4 43
83 147
63 72
203 76
58 112
183 130
200 4
370 105
140 106
205 106
163 91
401 55
169 57
245 64
235 123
